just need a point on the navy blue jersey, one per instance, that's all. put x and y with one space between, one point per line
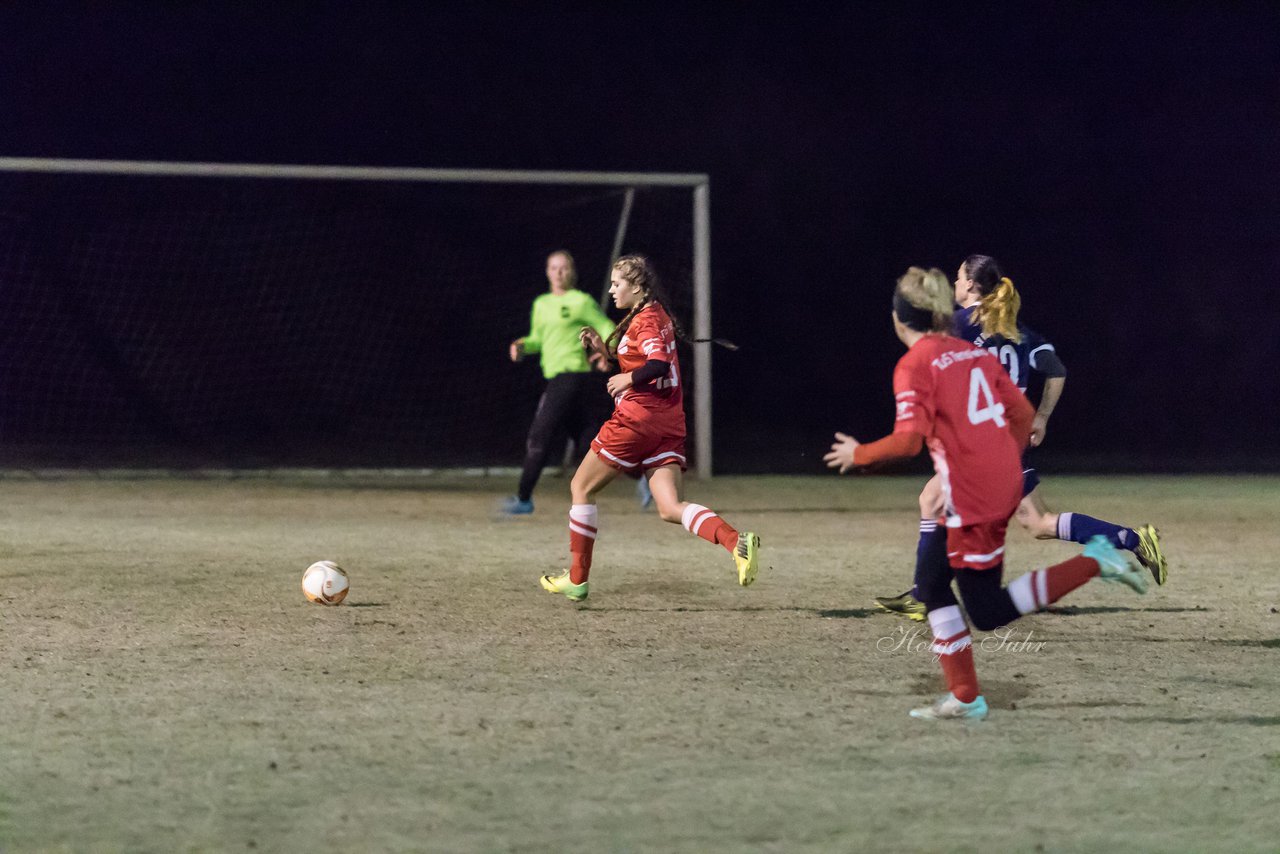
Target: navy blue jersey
1032 353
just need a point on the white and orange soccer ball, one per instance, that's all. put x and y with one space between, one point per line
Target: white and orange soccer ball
325 583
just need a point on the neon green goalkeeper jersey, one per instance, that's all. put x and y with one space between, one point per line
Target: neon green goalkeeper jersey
554 325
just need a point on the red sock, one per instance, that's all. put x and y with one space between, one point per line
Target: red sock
582 538
1062 578
706 524
1043 587
958 669
953 645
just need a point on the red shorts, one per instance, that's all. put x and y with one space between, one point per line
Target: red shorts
624 444
979 546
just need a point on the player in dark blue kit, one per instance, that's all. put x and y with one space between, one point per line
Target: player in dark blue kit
988 316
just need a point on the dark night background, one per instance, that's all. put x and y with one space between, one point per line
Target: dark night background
1121 160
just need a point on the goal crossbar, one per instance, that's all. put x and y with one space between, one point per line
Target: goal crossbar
350 173
698 182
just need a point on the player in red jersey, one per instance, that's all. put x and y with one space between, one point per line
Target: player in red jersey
987 316
645 435
957 399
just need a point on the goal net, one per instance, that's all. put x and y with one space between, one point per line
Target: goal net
214 315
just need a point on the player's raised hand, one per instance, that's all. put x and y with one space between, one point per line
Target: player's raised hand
517 349
591 341
841 454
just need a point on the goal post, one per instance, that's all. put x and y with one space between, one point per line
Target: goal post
627 183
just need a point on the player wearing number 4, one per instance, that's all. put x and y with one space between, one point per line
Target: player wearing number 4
957 399
988 317
645 435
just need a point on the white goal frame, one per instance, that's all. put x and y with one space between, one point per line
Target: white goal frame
698 183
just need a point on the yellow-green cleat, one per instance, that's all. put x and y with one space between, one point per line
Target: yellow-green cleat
1150 555
905 605
561 584
746 556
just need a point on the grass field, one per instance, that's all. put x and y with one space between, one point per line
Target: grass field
166 687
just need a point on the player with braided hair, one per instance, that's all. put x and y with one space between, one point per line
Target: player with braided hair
957 399
988 317
645 435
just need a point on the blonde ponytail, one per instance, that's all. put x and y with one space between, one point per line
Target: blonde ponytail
998 311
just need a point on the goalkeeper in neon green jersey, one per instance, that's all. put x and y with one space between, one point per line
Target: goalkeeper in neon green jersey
575 402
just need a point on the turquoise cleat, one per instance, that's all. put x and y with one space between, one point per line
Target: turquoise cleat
1112 565
947 707
513 506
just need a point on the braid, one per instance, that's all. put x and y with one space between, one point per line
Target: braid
611 343
638 270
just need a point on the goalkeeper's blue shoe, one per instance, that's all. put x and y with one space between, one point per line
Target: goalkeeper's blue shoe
1112 565
515 506
643 494
1150 555
561 584
947 707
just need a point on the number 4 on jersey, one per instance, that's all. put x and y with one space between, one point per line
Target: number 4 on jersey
982 403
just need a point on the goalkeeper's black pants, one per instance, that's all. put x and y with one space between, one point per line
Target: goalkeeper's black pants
573 406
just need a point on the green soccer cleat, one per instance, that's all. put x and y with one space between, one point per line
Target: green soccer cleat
1113 566
947 708
561 584
1150 555
746 556
905 605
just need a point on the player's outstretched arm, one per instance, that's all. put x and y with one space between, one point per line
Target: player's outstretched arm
899 445
841 454
532 343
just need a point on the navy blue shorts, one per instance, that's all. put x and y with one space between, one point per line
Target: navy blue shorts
1030 480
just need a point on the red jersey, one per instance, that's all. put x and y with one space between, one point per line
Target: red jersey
652 335
956 396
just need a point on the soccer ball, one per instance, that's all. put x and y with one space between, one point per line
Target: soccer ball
325 583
